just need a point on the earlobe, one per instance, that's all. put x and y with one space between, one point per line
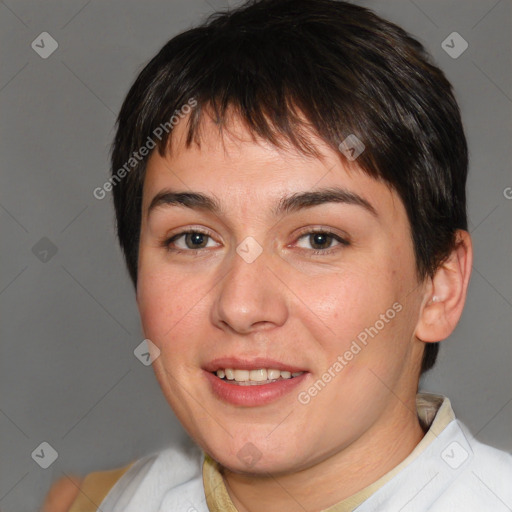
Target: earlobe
446 294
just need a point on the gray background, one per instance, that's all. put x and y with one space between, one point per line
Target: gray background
70 325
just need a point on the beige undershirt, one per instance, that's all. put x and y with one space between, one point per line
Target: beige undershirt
434 412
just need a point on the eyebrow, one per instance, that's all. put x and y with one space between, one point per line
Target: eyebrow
303 200
288 204
193 200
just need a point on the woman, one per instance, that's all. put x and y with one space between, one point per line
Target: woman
289 184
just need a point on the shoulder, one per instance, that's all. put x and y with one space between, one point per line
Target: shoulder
73 494
492 468
488 459
144 478
483 480
454 472
174 473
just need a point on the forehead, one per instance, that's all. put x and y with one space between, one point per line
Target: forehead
238 169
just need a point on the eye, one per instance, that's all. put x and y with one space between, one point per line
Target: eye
320 241
189 241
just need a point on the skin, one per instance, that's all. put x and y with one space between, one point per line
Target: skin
296 303
300 303
62 494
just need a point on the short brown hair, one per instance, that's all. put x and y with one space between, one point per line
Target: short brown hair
285 66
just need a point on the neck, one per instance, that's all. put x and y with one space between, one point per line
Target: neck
375 453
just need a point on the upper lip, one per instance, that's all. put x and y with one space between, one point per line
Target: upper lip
250 364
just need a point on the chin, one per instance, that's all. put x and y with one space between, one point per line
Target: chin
259 467
258 457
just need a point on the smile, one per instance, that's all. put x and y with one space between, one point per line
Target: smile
254 377
241 390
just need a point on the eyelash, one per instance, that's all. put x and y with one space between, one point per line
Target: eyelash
343 242
166 243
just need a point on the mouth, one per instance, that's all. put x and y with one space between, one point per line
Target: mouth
252 383
256 377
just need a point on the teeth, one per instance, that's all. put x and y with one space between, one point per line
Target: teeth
273 374
260 375
241 375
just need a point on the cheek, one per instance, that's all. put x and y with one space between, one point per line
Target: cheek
174 311
347 302
365 317
162 303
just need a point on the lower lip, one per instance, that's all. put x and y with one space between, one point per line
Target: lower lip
254 395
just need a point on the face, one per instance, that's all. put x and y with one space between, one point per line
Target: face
281 291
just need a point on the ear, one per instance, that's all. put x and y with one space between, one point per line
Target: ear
445 293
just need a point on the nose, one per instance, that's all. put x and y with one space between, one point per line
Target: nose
250 297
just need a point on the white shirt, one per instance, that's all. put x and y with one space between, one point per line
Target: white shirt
448 471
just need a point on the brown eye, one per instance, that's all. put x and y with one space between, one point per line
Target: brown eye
189 241
320 240
196 240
